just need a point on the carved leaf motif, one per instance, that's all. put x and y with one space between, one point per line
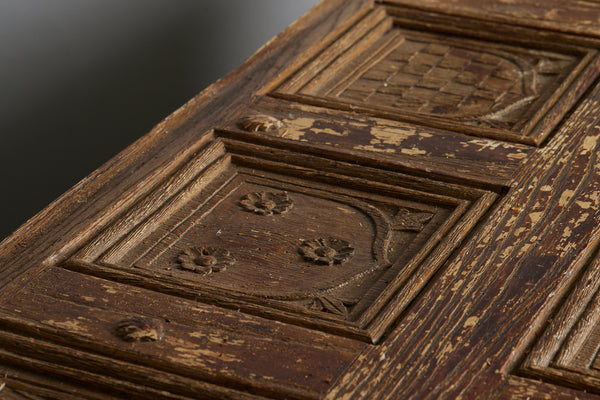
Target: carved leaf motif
550 66
139 329
405 220
327 251
267 203
205 260
332 305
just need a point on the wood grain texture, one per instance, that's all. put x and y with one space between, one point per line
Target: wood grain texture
131 174
89 208
580 17
301 230
520 388
48 386
567 349
400 146
258 229
457 82
514 272
83 312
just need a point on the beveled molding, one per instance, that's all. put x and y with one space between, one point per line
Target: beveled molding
289 236
567 352
409 65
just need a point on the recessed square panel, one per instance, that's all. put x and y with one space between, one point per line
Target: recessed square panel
323 247
567 351
487 88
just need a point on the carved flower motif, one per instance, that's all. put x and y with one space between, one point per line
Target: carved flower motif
205 260
140 329
326 251
267 203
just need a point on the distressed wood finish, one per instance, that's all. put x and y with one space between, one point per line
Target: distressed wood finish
392 199
479 87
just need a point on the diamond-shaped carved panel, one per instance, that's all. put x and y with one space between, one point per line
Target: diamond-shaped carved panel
330 247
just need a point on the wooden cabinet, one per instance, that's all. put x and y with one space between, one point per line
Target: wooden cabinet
392 199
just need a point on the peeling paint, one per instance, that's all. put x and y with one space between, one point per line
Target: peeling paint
471 321
217 339
188 353
565 197
457 285
448 348
589 143
392 136
329 131
69 325
517 156
582 218
369 147
485 144
584 204
535 217
413 151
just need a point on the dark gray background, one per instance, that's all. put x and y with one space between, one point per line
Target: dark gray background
82 79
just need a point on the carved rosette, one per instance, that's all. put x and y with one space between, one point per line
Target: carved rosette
262 123
326 251
205 260
140 329
267 203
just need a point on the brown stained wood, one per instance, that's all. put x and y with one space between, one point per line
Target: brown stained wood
580 17
265 237
180 132
441 153
186 350
392 199
495 277
168 384
457 82
374 20
18 385
519 388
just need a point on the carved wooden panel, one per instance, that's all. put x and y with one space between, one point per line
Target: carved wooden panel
443 154
263 231
65 317
357 212
241 240
567 351
499 89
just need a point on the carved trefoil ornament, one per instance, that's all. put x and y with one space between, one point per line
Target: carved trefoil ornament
205 260
267 203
